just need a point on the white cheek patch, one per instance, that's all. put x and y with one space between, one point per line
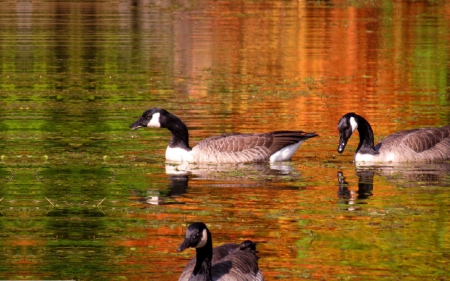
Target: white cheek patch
204 239
154 122
353 124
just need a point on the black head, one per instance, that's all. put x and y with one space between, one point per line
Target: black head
153 118
197 236
346 126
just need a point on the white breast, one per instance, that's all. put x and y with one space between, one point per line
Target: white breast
176 154
369 158
364 158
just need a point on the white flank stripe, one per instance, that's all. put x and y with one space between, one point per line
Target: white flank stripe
285 153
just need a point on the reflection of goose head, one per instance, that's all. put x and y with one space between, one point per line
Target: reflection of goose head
343 191
365 187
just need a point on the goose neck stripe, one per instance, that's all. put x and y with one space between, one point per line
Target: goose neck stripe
353 123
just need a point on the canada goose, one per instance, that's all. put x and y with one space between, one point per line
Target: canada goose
229 262
219 252
416 145
226 148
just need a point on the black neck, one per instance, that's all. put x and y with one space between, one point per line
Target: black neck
180 134
204 258
366 140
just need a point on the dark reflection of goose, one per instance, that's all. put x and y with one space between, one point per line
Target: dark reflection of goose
365 187
178 186
421 175
220 175
232 172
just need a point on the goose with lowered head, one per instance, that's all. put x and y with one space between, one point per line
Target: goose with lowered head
416 145
227 148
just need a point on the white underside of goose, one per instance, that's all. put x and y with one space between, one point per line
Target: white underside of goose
369 158
285 153
176 154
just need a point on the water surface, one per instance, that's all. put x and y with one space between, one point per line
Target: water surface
85 198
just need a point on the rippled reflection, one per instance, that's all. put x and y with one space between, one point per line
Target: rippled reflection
82 198
420 175
411 175
220 175
365 188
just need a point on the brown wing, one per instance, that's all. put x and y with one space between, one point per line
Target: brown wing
246 147
282 139
218 253
236 142
273 141
239 265
426 138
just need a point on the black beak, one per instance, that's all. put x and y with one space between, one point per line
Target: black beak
184 245
135 125
342 144
138 124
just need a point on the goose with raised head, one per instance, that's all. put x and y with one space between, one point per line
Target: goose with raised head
416 145
227 148
228 262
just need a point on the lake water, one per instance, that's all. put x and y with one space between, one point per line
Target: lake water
85 198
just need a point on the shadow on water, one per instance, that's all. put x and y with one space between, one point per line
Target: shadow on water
223 175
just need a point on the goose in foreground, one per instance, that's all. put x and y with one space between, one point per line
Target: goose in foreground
227 148
416 145
229 262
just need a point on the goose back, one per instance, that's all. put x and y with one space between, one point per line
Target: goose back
416 145
238 265
218 253
244 148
